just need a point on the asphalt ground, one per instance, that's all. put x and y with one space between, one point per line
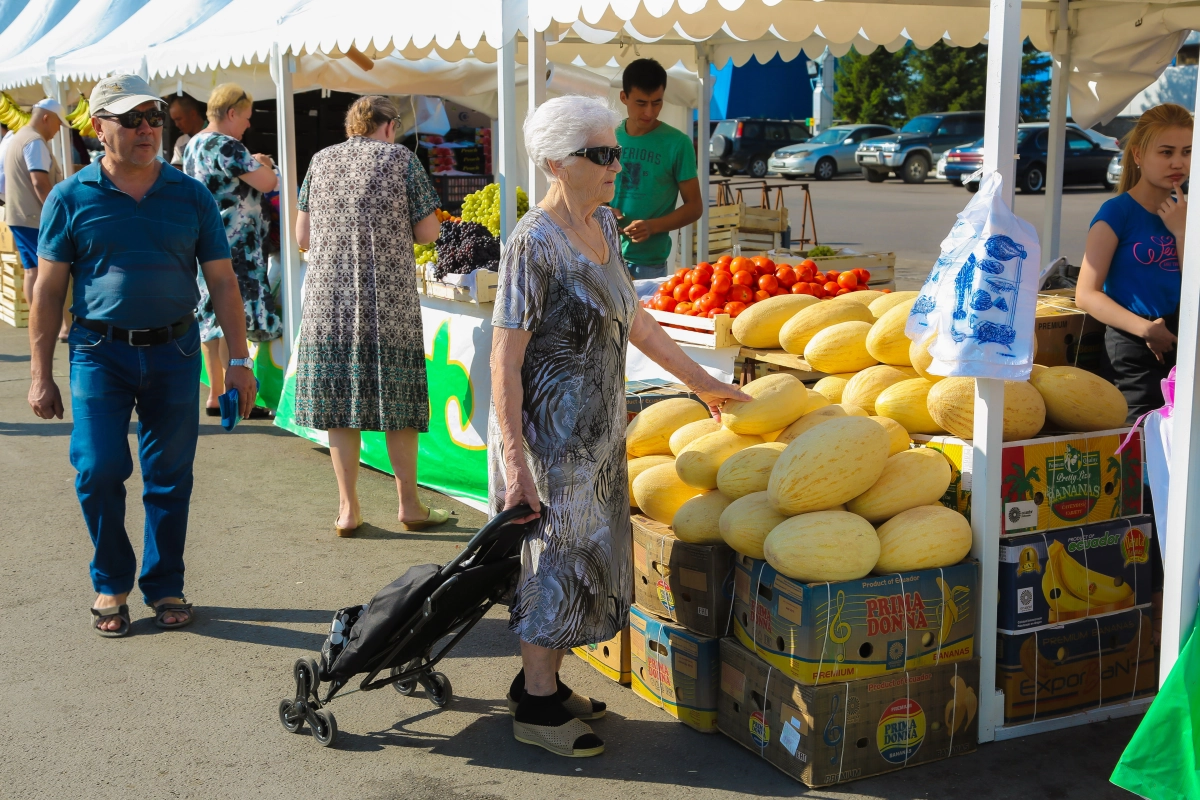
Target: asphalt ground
192 713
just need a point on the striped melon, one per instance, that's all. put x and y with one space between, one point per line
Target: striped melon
1077 400
925 537
639 465
691 432
907 403
795 334
748 471
951 403
841 347
886 342
698 463
758 325
864 387
649 433
912 478
745 523
898 438
779 400
832 386
698 520
659 492
822 546
918 355
810 420
882 305
829 464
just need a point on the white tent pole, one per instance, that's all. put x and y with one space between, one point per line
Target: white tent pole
702 139
538 184
1181 558
1060 76
66 153
999 150
283 66
506 169
687 234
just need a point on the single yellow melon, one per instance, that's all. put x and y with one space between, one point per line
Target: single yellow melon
637 466
886 342
918 355
745 523
649 433
832 386
822 546
898 438
1078 400
865 386
912 478
841 347
698 520
748 471
829 464
951 403
698 463
691 432
907 403
759 325
795 334
882 305
659 492
779 400
925 537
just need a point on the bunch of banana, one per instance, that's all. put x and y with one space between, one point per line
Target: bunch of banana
81 118
1074 591
11 114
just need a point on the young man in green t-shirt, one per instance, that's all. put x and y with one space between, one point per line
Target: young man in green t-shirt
658 165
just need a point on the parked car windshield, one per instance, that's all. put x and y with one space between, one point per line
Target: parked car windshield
726 127
1024 133
831 136
920 125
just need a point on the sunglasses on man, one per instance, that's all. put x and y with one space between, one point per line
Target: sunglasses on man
600 156
154 117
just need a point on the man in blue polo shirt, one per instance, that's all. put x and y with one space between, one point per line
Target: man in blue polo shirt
130 230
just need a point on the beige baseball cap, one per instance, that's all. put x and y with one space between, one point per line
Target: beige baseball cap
120 93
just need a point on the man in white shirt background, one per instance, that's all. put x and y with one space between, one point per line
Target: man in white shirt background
188 116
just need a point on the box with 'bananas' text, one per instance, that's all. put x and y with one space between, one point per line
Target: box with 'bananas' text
674 669
819 633
1067 574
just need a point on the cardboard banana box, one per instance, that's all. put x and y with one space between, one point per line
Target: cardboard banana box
823 735
691 584
1082 665
611 658
1054 482
821 633
1072 573
674 669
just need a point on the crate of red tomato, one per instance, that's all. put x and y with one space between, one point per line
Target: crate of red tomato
698 305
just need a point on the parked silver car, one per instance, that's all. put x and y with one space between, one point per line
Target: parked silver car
826 154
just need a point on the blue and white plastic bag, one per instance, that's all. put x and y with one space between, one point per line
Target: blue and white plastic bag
980 297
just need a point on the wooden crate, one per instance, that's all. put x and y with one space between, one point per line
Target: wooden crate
727 216
7 245
723 241
486 282
764 219
700 331
13 294
14 314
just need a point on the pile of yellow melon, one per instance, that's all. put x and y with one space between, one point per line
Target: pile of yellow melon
822 491
871 364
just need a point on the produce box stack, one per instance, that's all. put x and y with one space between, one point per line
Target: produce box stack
483 138
852 608
1067 336
14 309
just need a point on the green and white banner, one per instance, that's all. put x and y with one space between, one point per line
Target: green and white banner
453 454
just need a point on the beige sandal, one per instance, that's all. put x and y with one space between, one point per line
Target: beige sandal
559 740
577 705
436 517
346 533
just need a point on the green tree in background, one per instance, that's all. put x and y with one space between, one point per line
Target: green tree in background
1035 83
871 87
947 78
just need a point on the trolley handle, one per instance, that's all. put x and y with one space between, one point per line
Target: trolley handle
486 534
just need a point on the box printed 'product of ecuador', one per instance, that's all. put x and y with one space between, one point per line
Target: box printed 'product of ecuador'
1054 481
1067 574
674 669
610 658
820 633
1082 665
691 584
824 735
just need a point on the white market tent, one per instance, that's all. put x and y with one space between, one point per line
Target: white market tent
1108 50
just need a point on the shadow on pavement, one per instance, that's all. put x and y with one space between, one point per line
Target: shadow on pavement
448 532
252 625
9 358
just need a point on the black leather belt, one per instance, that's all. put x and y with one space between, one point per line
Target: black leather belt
144 337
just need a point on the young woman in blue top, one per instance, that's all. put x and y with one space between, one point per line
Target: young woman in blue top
1130 277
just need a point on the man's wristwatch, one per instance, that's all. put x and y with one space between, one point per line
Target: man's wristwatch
248 363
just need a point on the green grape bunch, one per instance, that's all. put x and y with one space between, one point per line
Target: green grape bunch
483 207
425 253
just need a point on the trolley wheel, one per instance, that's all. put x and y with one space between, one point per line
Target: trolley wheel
445 692
325 731
285 706
407 687
314 672
306 677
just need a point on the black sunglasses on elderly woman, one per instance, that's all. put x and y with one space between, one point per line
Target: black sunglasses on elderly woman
154 117
600 156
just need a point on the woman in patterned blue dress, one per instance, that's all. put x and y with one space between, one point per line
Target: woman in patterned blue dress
217 158
565 311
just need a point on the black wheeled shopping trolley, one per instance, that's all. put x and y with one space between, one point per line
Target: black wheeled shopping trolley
400 628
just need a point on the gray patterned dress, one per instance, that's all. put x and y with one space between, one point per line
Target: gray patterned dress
361 356
576 574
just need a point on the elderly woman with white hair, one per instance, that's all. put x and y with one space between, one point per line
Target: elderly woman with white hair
565 311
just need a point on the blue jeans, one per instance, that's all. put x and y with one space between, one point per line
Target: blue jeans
642 271
109 379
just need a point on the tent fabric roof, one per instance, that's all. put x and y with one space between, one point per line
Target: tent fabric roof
31 24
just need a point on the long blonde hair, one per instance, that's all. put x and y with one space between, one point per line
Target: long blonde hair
1149 127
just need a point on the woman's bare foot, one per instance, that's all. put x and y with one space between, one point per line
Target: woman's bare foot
173 617
113 622
349 516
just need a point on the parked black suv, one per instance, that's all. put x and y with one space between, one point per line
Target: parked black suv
746 143
913 152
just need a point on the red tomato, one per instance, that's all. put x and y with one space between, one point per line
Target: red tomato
768 283
664 303
702 275
734 308
708 302
785 275
763 264
725 259
722 268
681 272
686 280
741 294
800 288
669 285
681 291
696 292
843 291
804 274
743 277
831 274
817 289
779 291
761 294
819 277
864 275
847 280
704 265
831 288
683 308
741 263
809 264
721 281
